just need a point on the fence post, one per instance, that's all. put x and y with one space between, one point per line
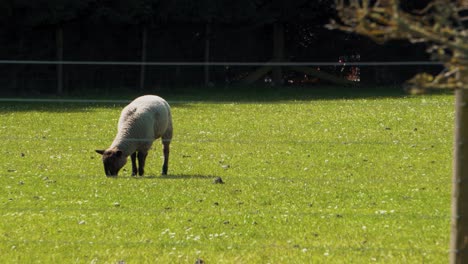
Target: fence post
59 55
206 68
278 52
144 40
459 233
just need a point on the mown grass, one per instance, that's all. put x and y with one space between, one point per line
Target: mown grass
354 180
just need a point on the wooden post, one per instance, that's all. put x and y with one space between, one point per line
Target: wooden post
278 52
144 40
206 68
459 235
59 55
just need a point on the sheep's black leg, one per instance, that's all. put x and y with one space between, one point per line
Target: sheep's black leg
166 157
134 165
141 162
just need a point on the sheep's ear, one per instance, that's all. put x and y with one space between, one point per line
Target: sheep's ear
100 151
118 153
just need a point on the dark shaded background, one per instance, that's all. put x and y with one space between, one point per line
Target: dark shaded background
181 31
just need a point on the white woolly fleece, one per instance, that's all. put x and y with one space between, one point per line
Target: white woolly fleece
144 120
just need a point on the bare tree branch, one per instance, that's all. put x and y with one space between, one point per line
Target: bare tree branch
438 24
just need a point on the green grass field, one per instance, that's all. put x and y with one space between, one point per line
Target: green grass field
352 180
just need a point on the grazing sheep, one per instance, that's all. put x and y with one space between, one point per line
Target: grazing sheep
144 120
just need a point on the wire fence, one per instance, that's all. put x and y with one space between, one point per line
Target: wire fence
227 63
51 76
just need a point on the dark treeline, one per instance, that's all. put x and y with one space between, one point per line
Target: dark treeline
180 31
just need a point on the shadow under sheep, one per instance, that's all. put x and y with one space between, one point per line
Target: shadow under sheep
215 179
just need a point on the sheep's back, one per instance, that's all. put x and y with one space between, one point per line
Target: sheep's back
147 117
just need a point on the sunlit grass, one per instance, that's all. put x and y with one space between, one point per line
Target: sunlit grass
344 180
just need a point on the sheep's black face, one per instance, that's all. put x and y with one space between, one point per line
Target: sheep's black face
113 161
